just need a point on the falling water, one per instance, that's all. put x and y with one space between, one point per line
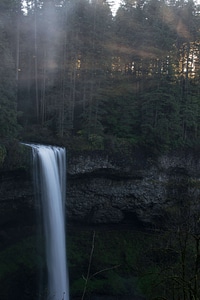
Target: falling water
50 174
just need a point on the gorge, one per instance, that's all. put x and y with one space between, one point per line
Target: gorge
110 189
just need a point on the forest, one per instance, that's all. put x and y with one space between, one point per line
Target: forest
72 69
74 73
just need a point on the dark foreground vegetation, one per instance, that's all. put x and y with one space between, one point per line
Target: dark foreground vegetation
109 262
70 69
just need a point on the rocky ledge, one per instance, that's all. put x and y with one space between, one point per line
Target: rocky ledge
136 189
111 188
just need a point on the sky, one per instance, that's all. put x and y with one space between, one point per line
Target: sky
115 5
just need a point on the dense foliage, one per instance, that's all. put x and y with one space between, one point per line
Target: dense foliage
71 68
124 263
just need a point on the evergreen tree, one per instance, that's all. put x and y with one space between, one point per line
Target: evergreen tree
8 90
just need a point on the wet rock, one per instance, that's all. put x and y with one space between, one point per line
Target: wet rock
106 188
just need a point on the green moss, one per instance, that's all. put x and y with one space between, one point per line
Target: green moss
19 265
14 155
116 261
17 256
147 281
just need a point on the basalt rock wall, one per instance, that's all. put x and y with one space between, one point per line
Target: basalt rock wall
110 188
137 189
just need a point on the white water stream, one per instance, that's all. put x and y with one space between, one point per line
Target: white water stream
50 177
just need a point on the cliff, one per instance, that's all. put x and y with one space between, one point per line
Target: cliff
110 188
136 189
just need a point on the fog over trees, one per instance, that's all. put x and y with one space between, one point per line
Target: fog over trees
72 68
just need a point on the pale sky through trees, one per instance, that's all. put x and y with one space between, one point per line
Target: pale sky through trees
115 5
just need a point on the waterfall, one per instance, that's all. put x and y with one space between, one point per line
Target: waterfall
50 180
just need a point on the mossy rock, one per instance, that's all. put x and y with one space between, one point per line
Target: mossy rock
14 155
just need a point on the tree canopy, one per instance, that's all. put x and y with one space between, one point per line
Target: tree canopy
72 68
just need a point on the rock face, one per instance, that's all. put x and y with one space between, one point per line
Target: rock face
16 199
137 189
111 188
